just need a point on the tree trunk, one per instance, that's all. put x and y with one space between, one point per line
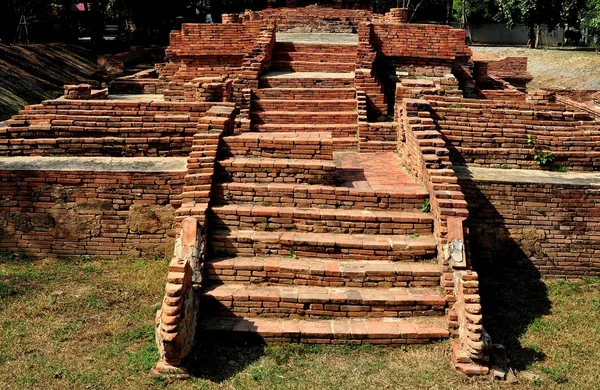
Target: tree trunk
96 22
531 36
216 11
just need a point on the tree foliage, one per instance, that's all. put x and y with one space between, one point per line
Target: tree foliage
149 21
590 21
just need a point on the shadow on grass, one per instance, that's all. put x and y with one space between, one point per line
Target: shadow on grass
513 294
216 358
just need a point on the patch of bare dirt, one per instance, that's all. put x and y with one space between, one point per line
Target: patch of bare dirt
565 69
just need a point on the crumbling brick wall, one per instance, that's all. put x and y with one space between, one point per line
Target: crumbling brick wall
86 212
510 69
419 41
119 128
313 18
212 50
543 228
495 133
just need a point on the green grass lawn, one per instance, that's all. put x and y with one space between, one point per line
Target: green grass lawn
88 324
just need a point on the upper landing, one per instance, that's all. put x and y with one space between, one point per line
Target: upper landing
318 38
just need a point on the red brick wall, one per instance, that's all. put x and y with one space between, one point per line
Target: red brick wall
196 40
507 67
103 128
524 227
72 213
494 133
313 18
419 41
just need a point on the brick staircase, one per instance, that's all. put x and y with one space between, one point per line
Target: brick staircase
311 89
306 243
298 257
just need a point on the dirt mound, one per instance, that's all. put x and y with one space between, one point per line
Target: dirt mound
32 73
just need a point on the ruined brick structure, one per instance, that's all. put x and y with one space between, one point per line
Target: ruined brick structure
325 170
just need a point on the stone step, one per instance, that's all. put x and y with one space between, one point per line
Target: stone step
414 330
298 195
314 220
306 47
246 300
323 245
310 66
305 93
305 117
276 170
321 105
336 130
324 273
280 145
340 57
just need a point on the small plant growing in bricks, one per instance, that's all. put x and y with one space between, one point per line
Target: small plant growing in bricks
415 235
541 158
293 254
265 225
152 213
426 207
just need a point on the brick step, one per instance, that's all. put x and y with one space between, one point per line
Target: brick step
256 217
307 117
495 116
82 109
505 126
337 130
387 131
329 245
309 66
298 195
307 80
319 272
387 136
443 101
393 331
65 132
315 48
305 93
277 170
345 144
343 56
91 147
246 300
321 105
280 145
378 146
192 209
